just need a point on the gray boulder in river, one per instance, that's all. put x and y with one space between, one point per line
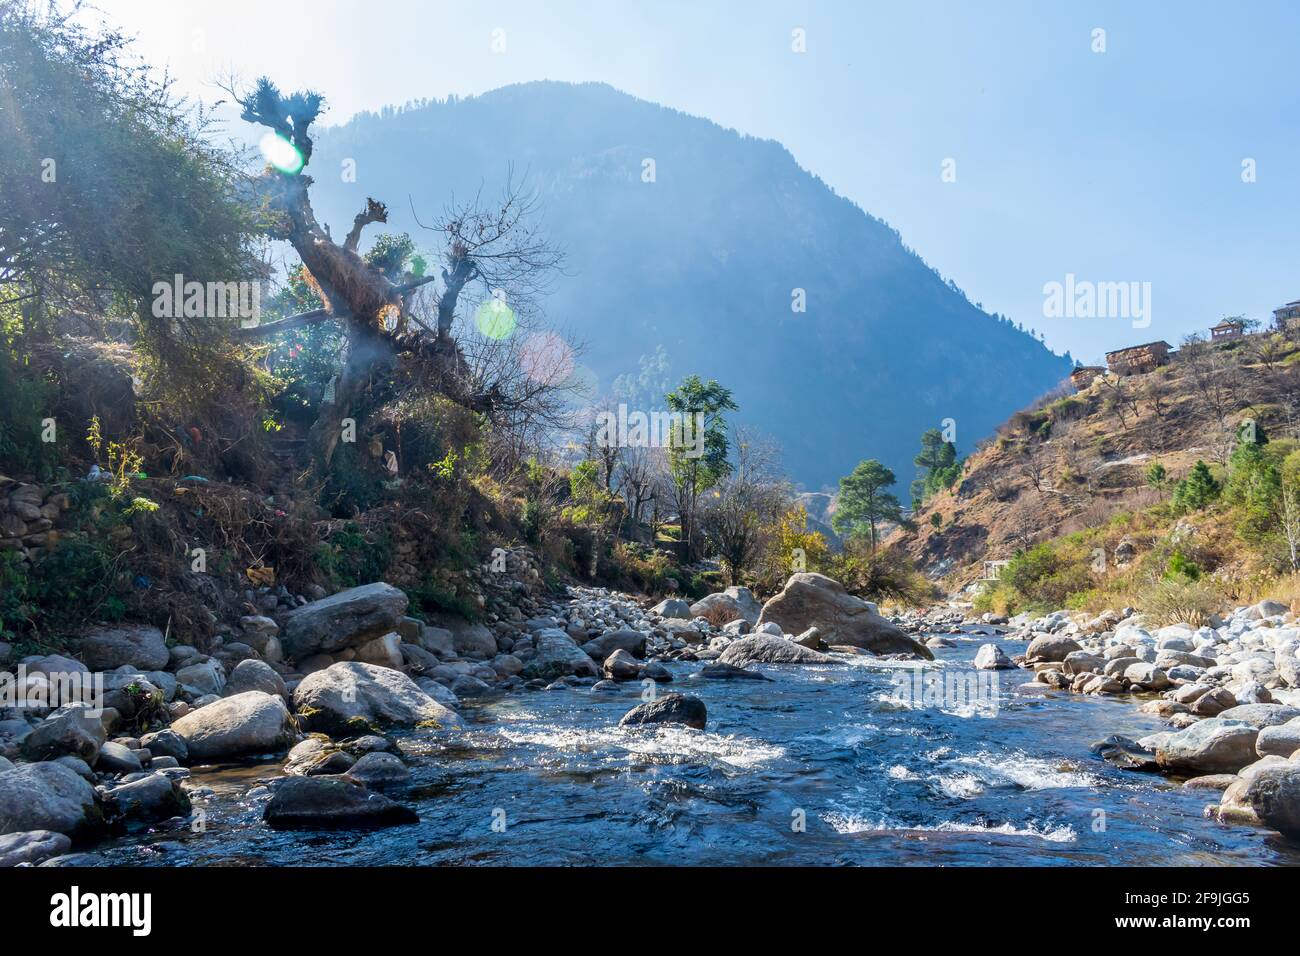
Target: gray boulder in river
244 725
766 649
351 698
350 618
668 709
814 600
331 802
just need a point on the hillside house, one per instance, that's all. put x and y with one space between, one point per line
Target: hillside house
1287 318
1085 375
1138 358
1227 329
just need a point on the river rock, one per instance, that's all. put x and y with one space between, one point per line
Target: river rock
140 646
380 770
621 666
46 796
1125 753
350 698
255 675
117 759
627 640
990 657
717 670
1050 648
386 651
766 649
349 618
1274 795
304 803
208 677
1260 716
1146 676
245 725
668 709
673 607
814 600
468 639
738 603
31 847
558 656
1280 739
167 743
68 731
1213 745
147 800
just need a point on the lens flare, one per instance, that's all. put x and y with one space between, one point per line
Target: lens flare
546 358
495 319
281 153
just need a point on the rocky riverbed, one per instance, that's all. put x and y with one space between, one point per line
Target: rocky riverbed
585 727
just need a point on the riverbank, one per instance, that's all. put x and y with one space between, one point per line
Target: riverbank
760 743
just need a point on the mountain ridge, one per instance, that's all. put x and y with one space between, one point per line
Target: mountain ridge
703 257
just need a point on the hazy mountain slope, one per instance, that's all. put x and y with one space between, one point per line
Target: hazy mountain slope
703 261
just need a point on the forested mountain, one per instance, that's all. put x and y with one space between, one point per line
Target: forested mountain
703 260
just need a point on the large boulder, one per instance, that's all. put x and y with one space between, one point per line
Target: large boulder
467 638
668 709
1281 740
240 726
766 649
255 675
673 607
68 732
46 796
141 646
558 656
1213 745
350 618
990 657
152 798
304 803
1050 648
738 603
622 640
1274 795
814 600
31 847
1260 716
351 698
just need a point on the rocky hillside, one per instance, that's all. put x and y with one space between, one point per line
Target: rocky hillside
1081 460
704 263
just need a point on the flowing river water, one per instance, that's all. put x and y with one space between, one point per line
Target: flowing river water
873 782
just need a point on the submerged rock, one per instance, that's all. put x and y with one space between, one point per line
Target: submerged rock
1125 753
303 803
717 670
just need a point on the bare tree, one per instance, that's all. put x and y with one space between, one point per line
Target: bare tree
741 511
495 245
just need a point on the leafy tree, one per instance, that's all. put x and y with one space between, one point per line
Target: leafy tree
1197 490
108 183
697 456
1157 476
864 501
938 463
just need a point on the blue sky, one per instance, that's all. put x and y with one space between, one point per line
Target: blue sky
1117 166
